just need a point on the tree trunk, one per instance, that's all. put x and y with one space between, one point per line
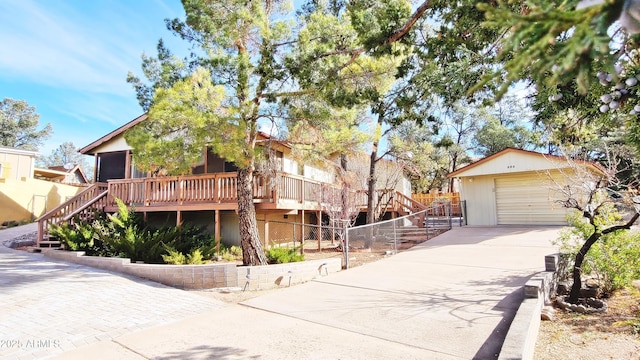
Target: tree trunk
344 194
574 295
371 181
371 195
252 250
454 165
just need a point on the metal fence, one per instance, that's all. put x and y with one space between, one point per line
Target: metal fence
390 236
306 237
384 237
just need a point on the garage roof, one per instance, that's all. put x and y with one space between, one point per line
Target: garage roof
511 160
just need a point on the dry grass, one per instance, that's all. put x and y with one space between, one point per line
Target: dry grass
611 335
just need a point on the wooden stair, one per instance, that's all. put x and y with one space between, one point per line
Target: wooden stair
83 206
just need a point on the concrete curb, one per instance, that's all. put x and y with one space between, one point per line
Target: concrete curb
519 344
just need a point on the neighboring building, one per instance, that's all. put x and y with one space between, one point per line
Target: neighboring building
16 163
68 174
515 187
22 197
288 191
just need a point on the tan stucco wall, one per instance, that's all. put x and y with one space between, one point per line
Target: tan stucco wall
31 198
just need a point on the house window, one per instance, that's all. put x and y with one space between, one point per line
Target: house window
111 165
230 167
1 171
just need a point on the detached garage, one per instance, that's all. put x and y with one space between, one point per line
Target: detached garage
514 187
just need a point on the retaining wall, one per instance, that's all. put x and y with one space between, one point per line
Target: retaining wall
538 291
208 276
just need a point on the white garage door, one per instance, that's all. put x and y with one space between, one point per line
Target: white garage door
527 199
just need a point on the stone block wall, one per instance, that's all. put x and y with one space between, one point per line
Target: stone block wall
266 277
208 276
520 340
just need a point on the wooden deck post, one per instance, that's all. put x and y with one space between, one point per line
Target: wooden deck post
216 188
178 218
217 230
127 164
302 234
319 217
266 231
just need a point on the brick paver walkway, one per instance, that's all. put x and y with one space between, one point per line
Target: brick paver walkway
49 307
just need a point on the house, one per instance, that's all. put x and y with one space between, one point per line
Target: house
286 191
16 163
515 187
68 174
23 197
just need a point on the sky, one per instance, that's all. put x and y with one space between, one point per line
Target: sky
70 58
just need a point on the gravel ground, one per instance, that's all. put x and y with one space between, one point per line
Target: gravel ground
611 335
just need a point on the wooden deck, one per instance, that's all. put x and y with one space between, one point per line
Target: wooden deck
218 191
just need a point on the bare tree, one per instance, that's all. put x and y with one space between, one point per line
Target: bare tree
590 189
340 202
390 175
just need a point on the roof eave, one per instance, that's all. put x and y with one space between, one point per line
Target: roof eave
89 148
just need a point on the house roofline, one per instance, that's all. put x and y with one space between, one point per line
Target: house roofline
456 173
82 173
87 149
50 171
76 167
16 151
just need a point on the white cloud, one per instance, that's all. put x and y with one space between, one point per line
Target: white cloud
62 44
70 59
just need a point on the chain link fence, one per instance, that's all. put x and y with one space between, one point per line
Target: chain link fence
384 237
390 236
307 237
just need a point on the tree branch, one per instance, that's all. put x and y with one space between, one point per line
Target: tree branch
400 33
622 227
396 36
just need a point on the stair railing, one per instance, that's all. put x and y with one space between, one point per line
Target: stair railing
87 200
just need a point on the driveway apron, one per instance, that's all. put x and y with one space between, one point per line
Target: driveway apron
453 297
48 307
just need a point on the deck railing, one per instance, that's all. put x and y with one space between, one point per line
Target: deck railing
433 199
222 188
283 189
179 190
212 188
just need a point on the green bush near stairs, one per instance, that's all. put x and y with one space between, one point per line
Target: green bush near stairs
123 234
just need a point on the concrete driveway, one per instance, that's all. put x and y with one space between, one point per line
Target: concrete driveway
450 298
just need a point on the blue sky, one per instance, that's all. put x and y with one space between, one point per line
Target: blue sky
70 60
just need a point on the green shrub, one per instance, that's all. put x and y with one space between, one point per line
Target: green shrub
232 253
281 255
123 234
189 237
174 257
195 257
614 259
81 236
